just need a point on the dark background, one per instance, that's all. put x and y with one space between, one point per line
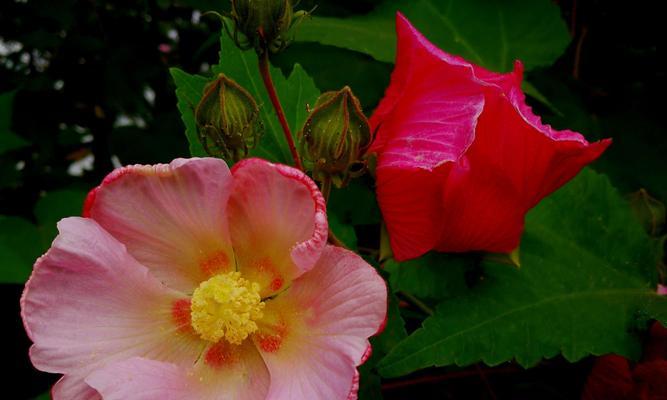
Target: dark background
91 78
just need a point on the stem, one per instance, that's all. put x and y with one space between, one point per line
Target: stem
417 303
573 19
445 377
369 251
326 188
335 241
577 53
268 83
487 385
326 191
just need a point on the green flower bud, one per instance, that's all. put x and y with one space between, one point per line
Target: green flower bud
335 137
227 120
263 24
650 211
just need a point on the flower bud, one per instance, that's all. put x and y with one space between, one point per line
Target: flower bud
335 137
650 211
263 24
228 120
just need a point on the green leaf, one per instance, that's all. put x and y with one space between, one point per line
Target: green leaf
189 89
586 285
356 203
202 5
21 242
19 248
343 231
636 159
54 206
530 89
394 332
333 68
370 384
432 276
489 33
295 93
372 34
8 139
650 212
44 396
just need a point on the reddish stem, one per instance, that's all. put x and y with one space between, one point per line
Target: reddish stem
268 83
487 385
577 52
573 19
431 379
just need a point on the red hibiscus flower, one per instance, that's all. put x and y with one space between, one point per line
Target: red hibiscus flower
461 157
614 377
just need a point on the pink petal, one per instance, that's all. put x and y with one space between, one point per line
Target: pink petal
171 217
88 302
70 387
316 333
277 220
142 379
145 379
354 391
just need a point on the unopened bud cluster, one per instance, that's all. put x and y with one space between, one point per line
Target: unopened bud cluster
228 120
335 137
263 24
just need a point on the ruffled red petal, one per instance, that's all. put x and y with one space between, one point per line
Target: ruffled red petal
461 157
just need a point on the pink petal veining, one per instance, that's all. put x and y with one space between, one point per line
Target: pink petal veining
108 305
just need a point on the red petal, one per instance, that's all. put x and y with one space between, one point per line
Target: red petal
651 381
410 203
461 157
610 379
656 348
510 167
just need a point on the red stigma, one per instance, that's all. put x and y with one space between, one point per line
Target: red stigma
220 354
214 264
180 312
277 283
269 343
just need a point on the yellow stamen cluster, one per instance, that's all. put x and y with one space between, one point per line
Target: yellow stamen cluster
226 306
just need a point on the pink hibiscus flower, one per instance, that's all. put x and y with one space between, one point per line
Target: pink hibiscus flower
188 281
461 157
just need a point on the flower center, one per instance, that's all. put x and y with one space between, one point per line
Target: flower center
226 306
